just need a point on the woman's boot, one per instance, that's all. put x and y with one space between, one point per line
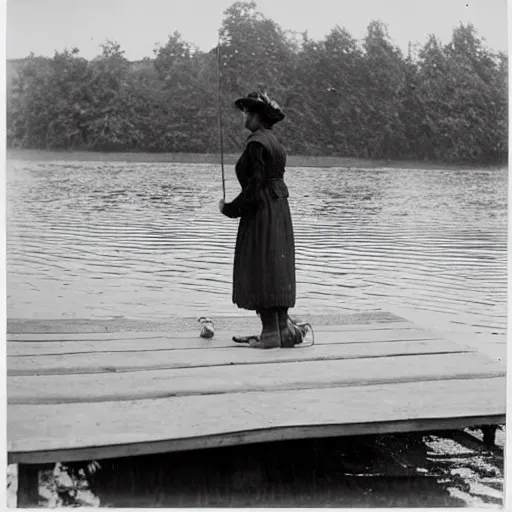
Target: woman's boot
269 337
289 332
250 337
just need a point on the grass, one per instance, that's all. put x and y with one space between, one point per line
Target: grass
229 159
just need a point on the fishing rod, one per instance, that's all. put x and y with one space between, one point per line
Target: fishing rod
220 121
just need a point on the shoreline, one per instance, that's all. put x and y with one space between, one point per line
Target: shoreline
230 159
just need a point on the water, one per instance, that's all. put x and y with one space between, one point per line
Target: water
146 240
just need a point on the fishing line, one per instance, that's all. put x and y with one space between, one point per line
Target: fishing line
220 120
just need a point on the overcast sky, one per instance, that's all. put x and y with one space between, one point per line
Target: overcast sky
43 26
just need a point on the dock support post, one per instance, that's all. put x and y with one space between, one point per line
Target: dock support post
489 432
28 486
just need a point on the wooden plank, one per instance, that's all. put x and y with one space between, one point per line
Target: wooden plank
50 433
112 336
252 377
171 359
221 340
63 325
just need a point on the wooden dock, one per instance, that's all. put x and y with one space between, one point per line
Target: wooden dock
82 390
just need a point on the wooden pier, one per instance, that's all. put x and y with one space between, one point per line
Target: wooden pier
86 390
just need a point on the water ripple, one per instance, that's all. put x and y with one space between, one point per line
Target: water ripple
99 239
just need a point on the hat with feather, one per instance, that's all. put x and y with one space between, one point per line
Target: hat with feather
260 103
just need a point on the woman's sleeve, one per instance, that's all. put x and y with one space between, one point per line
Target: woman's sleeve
248 200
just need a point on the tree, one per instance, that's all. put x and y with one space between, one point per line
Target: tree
188 108
109 123
49 99
461 94
478 97
384 75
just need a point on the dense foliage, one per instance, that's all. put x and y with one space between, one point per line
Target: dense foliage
341 97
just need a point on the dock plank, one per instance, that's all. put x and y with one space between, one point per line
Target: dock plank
251 377
188 333
50 433
187 340
172 359
122 324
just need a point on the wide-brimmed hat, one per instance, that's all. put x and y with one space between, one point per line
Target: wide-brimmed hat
260 102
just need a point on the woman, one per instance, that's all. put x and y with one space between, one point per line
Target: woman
264 264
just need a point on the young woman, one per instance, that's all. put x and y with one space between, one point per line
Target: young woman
264 264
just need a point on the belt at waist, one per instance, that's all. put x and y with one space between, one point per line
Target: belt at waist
269 181
277 188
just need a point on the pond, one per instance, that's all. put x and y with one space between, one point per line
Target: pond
146 241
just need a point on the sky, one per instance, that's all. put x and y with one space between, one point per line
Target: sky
43 26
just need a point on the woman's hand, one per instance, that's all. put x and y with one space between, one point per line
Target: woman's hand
221 205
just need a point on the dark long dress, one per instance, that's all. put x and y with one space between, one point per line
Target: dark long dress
264 264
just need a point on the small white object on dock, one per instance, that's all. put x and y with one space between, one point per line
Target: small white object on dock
207 328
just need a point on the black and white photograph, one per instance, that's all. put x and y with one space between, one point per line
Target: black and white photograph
256 253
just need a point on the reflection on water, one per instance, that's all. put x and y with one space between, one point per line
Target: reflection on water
97 239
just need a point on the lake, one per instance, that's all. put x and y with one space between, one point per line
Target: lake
146 241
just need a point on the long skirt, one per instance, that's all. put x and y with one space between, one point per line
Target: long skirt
264 266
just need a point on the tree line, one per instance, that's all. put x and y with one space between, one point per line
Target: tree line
341 97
